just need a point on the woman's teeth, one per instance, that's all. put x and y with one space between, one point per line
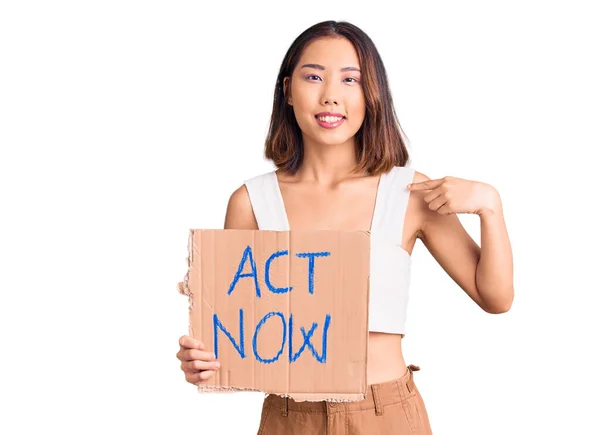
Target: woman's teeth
328 119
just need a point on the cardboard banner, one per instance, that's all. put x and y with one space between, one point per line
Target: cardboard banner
285 312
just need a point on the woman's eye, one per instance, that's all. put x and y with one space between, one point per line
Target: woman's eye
310 77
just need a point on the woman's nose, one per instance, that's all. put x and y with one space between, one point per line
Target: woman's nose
331 92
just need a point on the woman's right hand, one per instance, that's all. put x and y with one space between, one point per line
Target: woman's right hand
197 364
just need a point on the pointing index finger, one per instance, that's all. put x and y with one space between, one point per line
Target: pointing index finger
424 185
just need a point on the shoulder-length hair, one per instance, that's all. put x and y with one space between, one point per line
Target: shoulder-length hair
380 139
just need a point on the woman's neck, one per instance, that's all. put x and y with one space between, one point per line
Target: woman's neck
328 164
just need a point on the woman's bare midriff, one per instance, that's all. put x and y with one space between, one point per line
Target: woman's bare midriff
385 361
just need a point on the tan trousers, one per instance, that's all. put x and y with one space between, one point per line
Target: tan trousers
394 407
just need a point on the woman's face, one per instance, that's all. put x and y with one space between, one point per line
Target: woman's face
327 79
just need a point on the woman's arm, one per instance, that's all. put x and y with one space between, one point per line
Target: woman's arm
495 268
486 273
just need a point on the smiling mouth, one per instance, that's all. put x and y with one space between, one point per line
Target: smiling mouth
330 122
330 119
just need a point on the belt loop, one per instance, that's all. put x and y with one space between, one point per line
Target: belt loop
377 399
411 383
285 408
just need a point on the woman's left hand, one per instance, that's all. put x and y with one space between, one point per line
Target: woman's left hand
451 195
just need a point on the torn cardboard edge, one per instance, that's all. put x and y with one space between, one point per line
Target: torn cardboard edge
298 397
211 386
183 287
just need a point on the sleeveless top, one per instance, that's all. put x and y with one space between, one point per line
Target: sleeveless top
389 263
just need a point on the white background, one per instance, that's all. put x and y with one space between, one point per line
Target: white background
123 124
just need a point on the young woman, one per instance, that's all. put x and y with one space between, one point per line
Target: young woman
341 160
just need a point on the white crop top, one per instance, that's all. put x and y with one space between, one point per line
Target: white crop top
390 263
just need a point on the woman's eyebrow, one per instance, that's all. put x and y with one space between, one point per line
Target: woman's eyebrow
321 67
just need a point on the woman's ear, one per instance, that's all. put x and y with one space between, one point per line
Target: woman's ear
286 92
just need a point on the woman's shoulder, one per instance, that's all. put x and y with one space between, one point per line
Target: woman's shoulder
417 176
240 213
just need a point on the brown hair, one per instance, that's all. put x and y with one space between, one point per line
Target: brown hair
380 139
